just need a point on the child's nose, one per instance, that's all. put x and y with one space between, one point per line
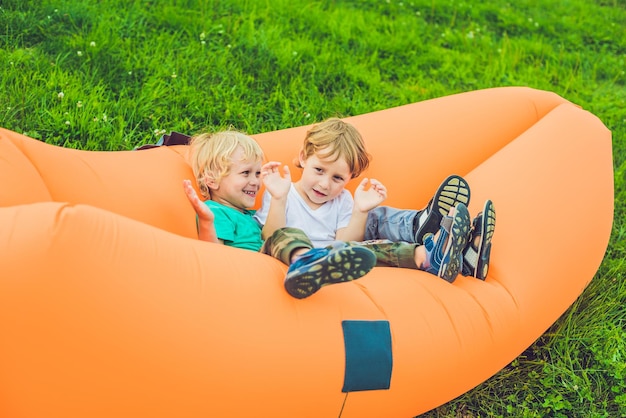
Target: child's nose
324 182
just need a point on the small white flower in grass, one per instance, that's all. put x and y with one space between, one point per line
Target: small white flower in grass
67 122
92 44
95 119
104 117
307 115
79 104
173 75
49 17
130 73
202 36
60 95
229 46
203 43
11 63
79 53
470 35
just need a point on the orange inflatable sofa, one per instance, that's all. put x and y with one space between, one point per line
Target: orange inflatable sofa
111 307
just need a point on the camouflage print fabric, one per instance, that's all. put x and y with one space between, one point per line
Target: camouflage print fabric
391 254
284 241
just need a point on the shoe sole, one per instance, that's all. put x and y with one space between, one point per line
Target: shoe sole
453 253
484 246
343 265
454 189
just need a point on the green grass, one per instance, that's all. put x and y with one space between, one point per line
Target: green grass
111 75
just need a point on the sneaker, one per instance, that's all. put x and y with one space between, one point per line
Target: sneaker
445 255
452 190
476 254
320 267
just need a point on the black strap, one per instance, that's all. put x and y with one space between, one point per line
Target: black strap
174 138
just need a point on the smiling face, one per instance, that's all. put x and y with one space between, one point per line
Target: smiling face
322 179
237 189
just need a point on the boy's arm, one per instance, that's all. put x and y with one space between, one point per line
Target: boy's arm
278 187
276 218
364 201
355 231
206 228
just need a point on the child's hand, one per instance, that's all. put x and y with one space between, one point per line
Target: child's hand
275 183
366 200
203 211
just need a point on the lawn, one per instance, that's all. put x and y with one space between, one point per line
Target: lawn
112 75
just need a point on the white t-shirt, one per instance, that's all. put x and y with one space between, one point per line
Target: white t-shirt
321 224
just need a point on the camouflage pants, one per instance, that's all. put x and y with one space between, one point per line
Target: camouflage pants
392 254
284 241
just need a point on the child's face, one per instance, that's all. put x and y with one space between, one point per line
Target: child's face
239 188
322 179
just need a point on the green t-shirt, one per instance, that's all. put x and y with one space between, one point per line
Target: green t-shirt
235 228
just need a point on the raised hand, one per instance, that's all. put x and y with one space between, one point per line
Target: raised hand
276 183
367 198
203 211
206 227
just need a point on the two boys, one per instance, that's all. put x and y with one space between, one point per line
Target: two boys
227 167
326 216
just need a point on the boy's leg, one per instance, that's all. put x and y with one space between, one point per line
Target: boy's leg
392 254
320 267
284 241
444 253
387 223
411 225
453 190
478 250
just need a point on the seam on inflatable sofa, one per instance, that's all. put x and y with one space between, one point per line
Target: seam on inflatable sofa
181 150
18 145
36 168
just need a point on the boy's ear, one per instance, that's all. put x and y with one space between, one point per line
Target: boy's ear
301 158
211 183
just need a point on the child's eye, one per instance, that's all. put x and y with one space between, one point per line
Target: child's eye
318 170
338 179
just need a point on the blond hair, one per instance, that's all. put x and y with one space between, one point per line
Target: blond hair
211 155
334 138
